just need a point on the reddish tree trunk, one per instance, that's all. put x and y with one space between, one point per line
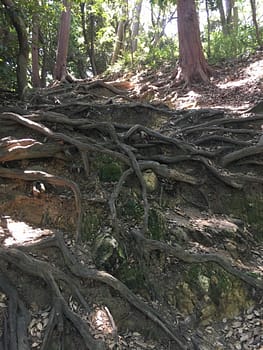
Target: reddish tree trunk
63 41
194 67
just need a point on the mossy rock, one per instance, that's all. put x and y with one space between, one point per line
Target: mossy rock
151 180
105 246
219 293
185 298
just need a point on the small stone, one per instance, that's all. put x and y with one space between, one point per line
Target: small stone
35 344
236 324
229 334
244 338
256 313
249 311
250 316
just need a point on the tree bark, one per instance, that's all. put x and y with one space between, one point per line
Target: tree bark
194 68
35 51
63 41
222 16
120 33
208 28
89 36
255 22
135 25
23 51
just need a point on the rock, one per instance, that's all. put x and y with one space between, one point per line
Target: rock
151 180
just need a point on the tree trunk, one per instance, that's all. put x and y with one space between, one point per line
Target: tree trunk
194 67
120 33
23 51
135 25
63 41
35 51
89 36
208 29
229 12
255 22
222 16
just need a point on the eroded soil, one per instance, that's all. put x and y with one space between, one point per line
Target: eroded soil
205 202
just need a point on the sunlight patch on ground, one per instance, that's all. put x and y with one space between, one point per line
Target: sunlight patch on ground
18 232
216 224
254 71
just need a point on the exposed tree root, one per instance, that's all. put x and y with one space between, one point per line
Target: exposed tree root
49 274
178 153
44 270
178 252
15 334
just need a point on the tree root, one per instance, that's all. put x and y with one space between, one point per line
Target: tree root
49 274
15 337
44 270
178 252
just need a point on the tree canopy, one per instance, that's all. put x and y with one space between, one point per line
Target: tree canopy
119 35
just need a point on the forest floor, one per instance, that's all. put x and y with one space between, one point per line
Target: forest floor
131 213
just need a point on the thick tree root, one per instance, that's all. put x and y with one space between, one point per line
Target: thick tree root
178 252
15 330
52 276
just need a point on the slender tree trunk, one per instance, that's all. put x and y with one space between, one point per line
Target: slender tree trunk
89 36
23 51
35 51
192 60
229 12
222 16
135 25
120 33
208 29
255 22
63 42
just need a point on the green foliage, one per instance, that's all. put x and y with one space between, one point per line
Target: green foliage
155 47
109 170
157 224
132 206
153 56
238 42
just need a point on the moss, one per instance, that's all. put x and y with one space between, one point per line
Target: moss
157 223
185 298
90 225
108 169
132 207
132 276
219 293
110 172
247 205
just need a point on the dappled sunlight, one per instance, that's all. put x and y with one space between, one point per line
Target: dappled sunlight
220 224
243 84
18 232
